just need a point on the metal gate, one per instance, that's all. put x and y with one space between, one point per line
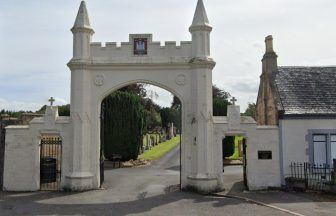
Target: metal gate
50 163
2 153
245 164
102 141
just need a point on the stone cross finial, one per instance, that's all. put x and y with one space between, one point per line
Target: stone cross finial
233 101
51 100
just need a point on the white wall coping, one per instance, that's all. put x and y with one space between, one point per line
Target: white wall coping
37 120
220 120
267 127
59 120
224 120
17 127
63 120
247 120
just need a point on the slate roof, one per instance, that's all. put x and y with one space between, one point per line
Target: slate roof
306 90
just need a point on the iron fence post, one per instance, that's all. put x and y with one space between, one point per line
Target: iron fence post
305 175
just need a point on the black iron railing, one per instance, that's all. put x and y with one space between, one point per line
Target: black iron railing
312 176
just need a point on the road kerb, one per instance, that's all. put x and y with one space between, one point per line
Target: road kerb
258 203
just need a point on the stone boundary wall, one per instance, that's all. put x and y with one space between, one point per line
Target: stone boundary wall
263 173
22 150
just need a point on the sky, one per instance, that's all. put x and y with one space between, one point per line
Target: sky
36 42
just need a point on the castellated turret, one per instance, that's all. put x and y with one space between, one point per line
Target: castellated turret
200 31
82 34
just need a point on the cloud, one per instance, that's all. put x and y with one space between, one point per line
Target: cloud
164 98
237 40
244 87
19 105
60 101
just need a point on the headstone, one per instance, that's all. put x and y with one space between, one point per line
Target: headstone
171 131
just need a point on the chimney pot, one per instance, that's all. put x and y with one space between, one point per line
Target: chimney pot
269 44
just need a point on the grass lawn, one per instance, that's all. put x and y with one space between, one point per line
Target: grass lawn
160 150
235 155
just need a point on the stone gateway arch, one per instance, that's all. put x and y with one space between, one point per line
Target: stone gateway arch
97 70
185 70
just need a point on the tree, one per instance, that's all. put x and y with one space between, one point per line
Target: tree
220 93
137 88
176 104
220 101
251 110
62 110
169 115
124 125
220 107
14 114
228 146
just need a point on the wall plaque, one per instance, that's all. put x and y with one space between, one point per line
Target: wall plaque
140 46
264 155
99 80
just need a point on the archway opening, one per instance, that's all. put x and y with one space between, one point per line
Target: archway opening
234 160
141 135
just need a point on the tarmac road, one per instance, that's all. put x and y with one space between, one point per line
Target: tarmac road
151 190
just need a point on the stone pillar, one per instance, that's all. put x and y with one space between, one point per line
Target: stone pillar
233 115
50 117
203 177
80 177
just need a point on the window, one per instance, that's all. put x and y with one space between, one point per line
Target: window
320 148
333 146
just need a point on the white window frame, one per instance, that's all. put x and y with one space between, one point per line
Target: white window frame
321 142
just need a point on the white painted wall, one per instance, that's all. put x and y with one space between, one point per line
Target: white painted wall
261 174
294 138
22 151
21 160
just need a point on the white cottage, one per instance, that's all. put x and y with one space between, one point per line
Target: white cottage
302 102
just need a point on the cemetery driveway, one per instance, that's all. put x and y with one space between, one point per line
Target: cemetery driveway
148 190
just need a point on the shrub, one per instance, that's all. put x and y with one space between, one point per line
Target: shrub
124 125
228 146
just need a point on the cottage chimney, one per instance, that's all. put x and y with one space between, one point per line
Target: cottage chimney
266 108
269 61
269 44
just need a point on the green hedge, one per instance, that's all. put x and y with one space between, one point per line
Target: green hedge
228 146
124 125
220 107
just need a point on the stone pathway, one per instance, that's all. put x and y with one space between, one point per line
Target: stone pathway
301 203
